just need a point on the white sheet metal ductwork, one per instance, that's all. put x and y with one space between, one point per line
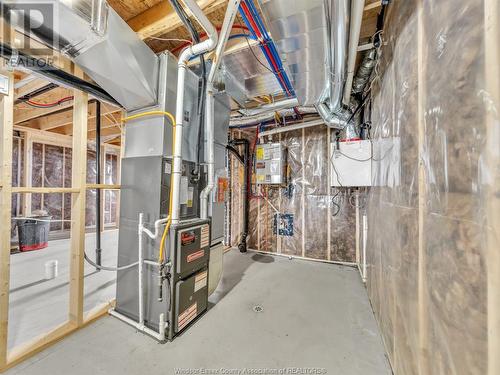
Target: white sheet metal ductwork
318 41
98 40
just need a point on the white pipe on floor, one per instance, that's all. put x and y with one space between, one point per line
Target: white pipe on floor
197 49
231 12
160 336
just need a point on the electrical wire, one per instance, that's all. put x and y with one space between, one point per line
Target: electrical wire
255 56
47 105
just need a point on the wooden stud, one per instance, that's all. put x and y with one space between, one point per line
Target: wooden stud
492 201
43 190
79 177
6 139
42 342
374 5
103 186
28 155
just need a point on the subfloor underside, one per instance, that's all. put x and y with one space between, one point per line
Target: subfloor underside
268 313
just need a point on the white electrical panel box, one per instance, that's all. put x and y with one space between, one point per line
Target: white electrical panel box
351 164
270 164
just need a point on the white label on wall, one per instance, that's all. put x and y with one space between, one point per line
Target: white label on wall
4 85
184 190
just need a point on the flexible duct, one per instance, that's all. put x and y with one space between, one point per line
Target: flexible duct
205 46
364 72
329 104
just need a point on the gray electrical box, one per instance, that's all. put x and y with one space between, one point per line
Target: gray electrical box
270 164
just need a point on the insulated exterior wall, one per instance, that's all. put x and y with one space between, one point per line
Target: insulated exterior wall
430 106
307 196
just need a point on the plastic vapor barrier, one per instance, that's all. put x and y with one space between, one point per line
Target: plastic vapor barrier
435 168
306 199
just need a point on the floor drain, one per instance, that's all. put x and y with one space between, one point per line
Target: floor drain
258 309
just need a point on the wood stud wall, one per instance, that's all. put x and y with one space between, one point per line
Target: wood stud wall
79 125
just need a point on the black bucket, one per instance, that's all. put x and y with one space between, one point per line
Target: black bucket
33 233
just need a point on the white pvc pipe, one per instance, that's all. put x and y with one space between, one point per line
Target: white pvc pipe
232 10
160 336
156 233
357 9
271 107
365 238
140 273
197 49
249 120
289 128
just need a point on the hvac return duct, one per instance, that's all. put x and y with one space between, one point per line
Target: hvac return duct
96 38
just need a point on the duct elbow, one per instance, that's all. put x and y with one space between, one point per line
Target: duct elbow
333 119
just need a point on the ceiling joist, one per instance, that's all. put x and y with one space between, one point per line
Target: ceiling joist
161 18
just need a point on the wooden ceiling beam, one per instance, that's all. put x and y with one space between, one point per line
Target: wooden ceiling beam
66 118
374 5
31 86
161 18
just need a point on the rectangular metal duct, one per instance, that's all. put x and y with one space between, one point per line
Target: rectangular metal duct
300 31
98 40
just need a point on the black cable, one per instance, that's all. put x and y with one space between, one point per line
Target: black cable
253 53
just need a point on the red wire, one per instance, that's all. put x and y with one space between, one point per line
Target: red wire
203 35
60 101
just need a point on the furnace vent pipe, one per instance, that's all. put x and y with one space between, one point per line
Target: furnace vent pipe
192 51
232 10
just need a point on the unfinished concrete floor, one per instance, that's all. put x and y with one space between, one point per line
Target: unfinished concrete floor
314 315
38 305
